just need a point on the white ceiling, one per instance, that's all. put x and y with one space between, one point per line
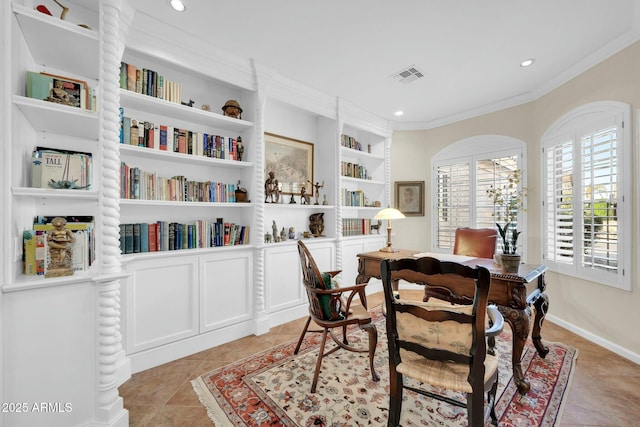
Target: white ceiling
468 50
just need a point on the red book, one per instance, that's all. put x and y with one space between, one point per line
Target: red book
182 141
153 237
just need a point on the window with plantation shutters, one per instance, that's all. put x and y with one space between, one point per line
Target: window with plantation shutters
462 175
586 216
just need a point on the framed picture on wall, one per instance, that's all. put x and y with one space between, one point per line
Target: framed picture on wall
409 197
291 161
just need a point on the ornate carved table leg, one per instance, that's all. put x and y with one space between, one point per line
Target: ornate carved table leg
540 302
519 322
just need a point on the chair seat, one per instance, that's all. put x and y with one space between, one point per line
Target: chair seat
452 376
360 313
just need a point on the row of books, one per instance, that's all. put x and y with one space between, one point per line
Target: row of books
353 170
167 138
170 236
357 226
149 82
36 256
60 90
353 198
138 184
61 169
351 142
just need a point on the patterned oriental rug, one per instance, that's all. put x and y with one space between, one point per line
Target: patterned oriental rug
272 389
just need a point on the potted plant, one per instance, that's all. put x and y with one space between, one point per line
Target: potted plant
508 201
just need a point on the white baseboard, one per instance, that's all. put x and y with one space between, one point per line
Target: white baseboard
619 350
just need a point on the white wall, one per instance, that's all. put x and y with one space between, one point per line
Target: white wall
603 314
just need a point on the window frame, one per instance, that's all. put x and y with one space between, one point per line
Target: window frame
470 150
572 126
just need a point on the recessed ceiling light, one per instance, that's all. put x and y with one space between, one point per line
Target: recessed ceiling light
527 62
398 113
178 5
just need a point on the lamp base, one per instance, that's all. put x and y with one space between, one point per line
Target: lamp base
389 249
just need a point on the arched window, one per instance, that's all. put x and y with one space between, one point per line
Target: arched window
587 204
462 174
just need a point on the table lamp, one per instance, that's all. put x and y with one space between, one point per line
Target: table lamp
389 214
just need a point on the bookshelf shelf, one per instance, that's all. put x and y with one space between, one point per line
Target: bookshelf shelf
169 203
297 205
45 193
50 38
135 151
59 119
352 153
26 283
142 256
361 181
137 101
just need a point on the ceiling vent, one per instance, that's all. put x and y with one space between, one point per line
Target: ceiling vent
407 75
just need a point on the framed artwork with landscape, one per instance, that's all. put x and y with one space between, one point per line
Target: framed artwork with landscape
291 161
409 197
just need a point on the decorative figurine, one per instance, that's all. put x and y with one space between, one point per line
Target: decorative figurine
239 148
376 227
271 189
231 108
241 194
205 107
305 198
292 200
188 104
267 238
317 186
58 95
316 224
283 235
324 201
292 233
274 229
59 242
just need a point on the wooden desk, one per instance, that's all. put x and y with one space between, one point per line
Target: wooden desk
513 293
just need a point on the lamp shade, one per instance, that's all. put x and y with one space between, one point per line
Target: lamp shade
389 213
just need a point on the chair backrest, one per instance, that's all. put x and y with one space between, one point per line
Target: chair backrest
438 330
475 242
322 305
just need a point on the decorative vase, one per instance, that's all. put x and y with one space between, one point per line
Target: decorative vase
510 263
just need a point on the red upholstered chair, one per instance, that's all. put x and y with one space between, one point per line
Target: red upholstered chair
475 242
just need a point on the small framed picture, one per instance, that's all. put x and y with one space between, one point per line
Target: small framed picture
409 197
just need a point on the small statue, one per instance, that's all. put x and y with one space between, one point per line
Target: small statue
376 227
205 107
271 189
239 148
324 201
59 242
58 95
292 200
292 233
274 229
317 186
231 108
305 198
283 235
188 104
267 238
316 224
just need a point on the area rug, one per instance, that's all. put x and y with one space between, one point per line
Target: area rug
272 389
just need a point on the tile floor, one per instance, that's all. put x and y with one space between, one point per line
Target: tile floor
605 389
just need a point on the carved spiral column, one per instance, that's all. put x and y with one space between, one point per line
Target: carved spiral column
115 19
258 150
338 187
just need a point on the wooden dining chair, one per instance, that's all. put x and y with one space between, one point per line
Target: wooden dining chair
330 308
440 344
